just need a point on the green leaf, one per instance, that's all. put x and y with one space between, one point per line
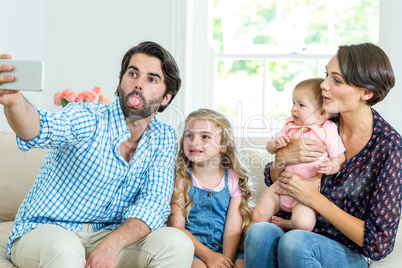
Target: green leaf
64 103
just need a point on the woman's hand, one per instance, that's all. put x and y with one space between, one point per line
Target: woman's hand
299 151
301 189
296 151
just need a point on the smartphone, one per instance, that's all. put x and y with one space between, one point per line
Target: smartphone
28 75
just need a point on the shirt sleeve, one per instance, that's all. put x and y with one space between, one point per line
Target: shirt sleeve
69 125
233 183
153 203
381 226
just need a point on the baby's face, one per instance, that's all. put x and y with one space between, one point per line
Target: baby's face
305 109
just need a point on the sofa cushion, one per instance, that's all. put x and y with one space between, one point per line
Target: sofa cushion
18 171
255 161
5 230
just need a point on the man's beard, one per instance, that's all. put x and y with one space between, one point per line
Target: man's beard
146 109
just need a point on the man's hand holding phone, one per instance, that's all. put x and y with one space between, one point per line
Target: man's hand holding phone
20 75
7 97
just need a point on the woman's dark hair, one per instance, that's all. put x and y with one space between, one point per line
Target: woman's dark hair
169 66
367 66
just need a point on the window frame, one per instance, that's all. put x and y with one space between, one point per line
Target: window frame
200 56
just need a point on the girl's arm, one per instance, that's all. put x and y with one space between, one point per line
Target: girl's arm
176 219
306 192
233 231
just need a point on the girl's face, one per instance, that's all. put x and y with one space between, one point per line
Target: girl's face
339 97
305 109
202 142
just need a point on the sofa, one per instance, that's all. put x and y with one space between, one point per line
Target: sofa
18 171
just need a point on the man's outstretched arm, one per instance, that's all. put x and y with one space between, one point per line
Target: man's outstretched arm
22 117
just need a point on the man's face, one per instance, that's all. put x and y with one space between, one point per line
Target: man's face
142 88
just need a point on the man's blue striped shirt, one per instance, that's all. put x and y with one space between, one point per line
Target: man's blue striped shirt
84 178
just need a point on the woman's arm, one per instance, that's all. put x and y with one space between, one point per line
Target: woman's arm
232 232
306 192
296 151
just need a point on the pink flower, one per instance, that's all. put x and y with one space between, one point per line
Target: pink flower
97 89
103 99
90 96
68 95
80 97
57 99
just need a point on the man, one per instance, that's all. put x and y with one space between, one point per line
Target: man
105 185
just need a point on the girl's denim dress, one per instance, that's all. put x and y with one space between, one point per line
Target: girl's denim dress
207 217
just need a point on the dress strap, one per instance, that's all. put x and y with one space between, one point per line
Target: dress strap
226 177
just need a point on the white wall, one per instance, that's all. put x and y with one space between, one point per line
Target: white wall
82 42
21 34
390 108
394 99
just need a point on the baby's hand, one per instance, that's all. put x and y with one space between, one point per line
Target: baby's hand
325 167
282 141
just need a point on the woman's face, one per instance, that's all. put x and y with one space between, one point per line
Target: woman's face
339 97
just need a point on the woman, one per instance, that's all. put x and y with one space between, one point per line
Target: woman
359 207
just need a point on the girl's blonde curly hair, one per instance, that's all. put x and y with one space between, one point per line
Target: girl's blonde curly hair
230 159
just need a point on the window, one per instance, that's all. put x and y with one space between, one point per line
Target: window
258 50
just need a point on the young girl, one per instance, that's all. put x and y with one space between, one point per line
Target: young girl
211 198
308 121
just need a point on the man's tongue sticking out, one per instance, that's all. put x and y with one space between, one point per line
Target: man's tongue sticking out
134 101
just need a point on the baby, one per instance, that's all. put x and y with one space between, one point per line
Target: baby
308 121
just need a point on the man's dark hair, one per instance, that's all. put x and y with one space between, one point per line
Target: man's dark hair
169 67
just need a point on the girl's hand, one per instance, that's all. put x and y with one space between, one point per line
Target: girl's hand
216 260
301 189
300 151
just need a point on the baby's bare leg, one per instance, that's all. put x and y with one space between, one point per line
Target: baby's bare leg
268 205
282 223
303 217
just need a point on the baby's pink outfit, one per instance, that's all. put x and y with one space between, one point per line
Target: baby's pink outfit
327 134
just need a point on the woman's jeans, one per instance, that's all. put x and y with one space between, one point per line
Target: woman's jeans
266 245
